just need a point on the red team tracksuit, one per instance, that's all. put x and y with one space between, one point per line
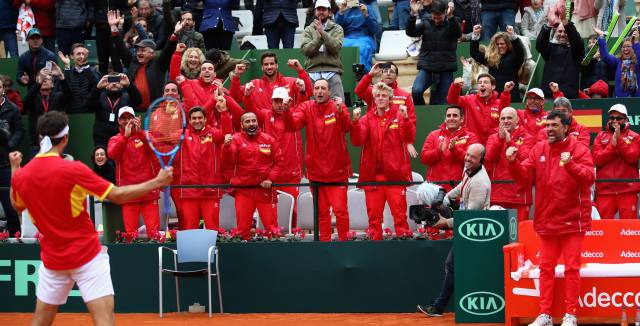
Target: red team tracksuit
617 162
532 122
263 89
136 163
562 215
199 162
447 165
576 130
197 93
326 158
384 158
253 160
509 195
364 90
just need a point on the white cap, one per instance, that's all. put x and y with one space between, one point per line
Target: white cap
323 3
126 109
280 92
537 92
619 108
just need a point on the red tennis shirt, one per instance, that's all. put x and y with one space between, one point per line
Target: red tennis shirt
54 191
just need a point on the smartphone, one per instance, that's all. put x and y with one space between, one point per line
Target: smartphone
353 3
113 79
48 65
385 65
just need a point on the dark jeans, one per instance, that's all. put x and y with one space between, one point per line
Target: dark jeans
217 38
447 285
424 79
13 222
494 19
68 37
280 30
105 50
8 36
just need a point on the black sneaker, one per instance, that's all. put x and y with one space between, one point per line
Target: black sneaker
430 310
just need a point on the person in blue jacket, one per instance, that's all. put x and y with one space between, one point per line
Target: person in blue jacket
626 64
218 25
360 29
30 62
8 19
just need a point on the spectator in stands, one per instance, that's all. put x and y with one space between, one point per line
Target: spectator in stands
510 133
615 154
48 93
437 59
80 79
360 30
10 93
400 16
532 118
321 46
138 32
383 134
147 72
576 130
224 62
44 16
562 57
280 19
30 62
533 18
600 89
218 25
72 19
259 90
11 133
626 65
444 149
105 47
327 160
255 159
606 11
497 14
189 36
470 72
564 214
597 68
135 162
468 14
102 165
8 19
199 161
171 89
155 23
107 99
504 56
482 110
186 61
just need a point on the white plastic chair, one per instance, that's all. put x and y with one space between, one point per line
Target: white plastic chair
303 189
227 212
198 245
302 18
259 41
27 229
416 177
358 217
305 210
285 211
393 46
246 22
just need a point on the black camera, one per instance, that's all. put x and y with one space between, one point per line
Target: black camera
358 70
385 65
430 214
113 79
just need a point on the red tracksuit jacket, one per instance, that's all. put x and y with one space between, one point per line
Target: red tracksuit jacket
576 130
135 162
566 204
364 90
383 141
200 161
498 167
447 165
197 93
616 162
261 95
326 155
532 122
481 116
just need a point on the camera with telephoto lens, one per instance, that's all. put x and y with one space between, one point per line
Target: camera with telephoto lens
434 205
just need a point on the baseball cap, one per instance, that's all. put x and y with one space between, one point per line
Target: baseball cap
280 92
323 3
146 43
126 109
538 92
618 108
33 31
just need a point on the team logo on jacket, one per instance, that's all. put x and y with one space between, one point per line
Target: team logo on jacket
265 148
329 119
519 141
462 140
543 159
494 113
137 143
394 124
627 139
604 141
539 122
205 139
399 101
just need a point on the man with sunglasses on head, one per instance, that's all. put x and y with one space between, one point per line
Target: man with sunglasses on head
615 154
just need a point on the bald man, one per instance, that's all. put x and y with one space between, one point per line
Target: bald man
510 133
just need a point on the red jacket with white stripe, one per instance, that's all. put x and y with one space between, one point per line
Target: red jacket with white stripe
364 90
135 161
263 89
616 162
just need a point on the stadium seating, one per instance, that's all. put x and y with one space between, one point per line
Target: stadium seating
246 22
259 41
227 212
393 46
358 218
302 17
285 211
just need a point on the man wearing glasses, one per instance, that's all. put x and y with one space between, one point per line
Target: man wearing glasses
533 116
615 154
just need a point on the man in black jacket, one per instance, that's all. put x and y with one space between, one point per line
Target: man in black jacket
11 132
80 79
497 14
30 62
280 19
437 60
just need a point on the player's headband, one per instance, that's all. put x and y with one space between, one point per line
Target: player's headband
45 143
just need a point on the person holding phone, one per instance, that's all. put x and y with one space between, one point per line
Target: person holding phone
31 62
360 29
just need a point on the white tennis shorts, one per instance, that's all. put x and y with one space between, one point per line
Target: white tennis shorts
93 279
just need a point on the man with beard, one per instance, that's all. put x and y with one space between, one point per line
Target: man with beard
327 159
260 90
576 130
107 98
509 195
81 78
561 168
199 162
189 36
156 22
533 116
615 153
255 159
482 109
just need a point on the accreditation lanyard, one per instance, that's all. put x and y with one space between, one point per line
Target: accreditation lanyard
45 103
112 105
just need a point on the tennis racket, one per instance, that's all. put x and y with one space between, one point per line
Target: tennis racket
164 127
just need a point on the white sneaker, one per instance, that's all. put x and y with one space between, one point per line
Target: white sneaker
543 320
569 320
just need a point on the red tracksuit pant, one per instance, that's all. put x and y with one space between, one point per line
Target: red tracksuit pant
293 191
551 247
150 215
626 204
523 210
194 208
396 196
246 205
334 197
